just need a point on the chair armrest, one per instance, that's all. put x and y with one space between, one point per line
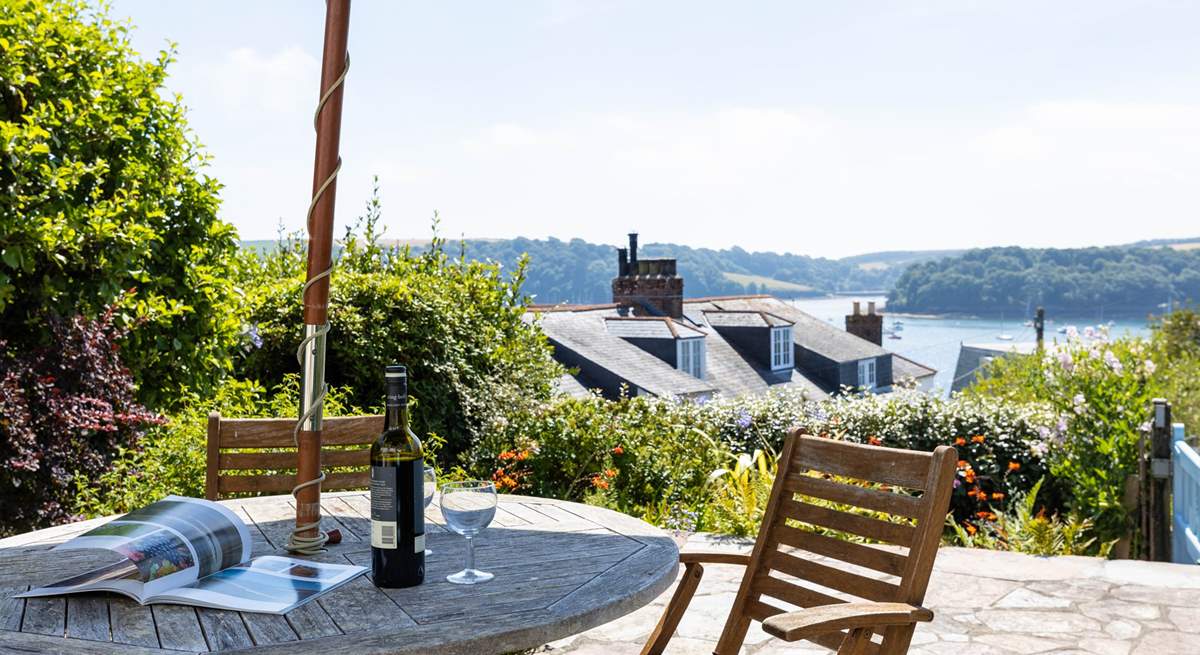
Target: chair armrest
714 558
824 619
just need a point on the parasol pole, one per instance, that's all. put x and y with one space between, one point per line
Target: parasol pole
307 537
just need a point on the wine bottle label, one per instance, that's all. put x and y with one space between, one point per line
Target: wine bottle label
383 507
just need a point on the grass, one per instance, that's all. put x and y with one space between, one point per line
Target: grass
767 283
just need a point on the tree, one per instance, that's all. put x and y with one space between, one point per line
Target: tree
102 190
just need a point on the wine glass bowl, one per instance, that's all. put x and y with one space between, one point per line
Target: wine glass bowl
468 507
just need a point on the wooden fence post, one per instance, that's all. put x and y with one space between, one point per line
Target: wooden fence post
1159 534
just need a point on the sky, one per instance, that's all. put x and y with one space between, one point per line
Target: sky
818 128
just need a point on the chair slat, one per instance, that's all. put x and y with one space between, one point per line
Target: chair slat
849 494
790 592
903 468
759 610
827 576
863 526
282 483
846 551
287 459
277 432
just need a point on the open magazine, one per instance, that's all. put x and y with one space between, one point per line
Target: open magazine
195 552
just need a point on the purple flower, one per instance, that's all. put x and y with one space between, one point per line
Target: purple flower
744 419
1113 362
250 332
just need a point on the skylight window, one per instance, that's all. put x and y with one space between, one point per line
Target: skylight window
781 348
689 356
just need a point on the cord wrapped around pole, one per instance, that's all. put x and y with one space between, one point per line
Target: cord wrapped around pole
307 537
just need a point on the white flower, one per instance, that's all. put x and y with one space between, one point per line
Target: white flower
1150 367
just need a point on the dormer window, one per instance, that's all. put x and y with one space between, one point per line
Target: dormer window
782 352
866 374
690 356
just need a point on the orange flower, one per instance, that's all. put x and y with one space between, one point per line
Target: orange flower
618 451
599 482
959 441
971 530
507 455
610 473
996 495
874 441
969 476
986 515
962 464
1014 466
523 455
977 438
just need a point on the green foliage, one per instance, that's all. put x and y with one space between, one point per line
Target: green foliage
1175 349
458 325
1027 529
740 494
102 190
1100 391
1001 448
171 458
1129 281
651 457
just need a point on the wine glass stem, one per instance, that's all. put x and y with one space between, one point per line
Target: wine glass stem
470 553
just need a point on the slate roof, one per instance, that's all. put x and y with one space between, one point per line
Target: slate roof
649 327
595 333
808 331
584 333
744 318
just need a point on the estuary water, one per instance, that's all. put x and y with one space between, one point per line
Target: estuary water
935 342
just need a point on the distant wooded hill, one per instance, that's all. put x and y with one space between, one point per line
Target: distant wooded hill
580 272
1086 282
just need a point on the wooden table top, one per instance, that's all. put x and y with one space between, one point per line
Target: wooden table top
560 567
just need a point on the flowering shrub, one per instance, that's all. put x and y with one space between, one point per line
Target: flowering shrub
65 410
1099 391
1000 445
653 457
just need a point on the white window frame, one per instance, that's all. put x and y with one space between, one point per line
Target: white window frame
867 373
782 351
690 356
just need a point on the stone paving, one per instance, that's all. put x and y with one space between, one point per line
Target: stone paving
985 602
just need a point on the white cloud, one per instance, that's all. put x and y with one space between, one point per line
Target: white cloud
807 180
282 82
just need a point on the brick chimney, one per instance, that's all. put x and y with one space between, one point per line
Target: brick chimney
649 287
867 326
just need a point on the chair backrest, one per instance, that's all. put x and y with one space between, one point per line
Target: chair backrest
780 578
240 449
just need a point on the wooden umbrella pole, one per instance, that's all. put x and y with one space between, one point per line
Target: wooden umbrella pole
307 537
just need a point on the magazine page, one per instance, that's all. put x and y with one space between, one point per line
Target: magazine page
167 544
269 584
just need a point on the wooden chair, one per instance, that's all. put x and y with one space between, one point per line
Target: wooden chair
249 444
843 608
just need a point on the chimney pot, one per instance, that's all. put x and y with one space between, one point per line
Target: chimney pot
633 250
857 308
871 307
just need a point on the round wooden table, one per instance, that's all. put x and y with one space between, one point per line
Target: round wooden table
560 567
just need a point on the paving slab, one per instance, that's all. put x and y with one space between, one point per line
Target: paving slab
984 602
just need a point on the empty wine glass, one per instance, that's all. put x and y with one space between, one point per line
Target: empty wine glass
468 508
428 486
